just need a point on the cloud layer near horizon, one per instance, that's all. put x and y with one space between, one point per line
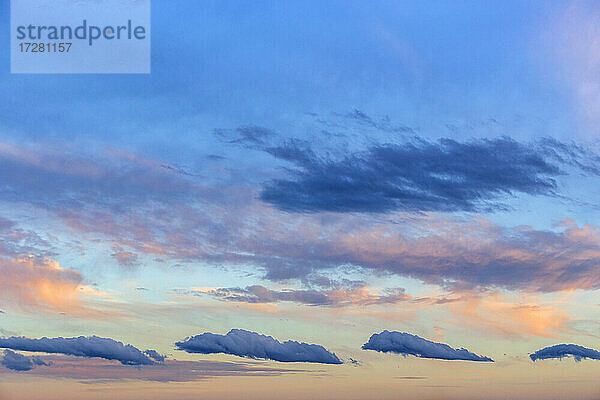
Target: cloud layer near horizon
19 362
33 280
92 346
407 344
244 343
90 370
565 350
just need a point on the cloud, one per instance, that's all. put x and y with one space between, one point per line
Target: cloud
421 175
565 350
511 316
70 177
457 252
153 354
407 344
251 135
16 361
257 294
461 253
250 344
39 361
93 370
34 281
382 124
82 346
410 377
354 362
19 362
39 283
124 258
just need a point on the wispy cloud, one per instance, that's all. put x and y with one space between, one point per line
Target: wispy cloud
420 175
250 135
102 371
155 355
455 253
33 280
51 177
514 317
228 224
41 284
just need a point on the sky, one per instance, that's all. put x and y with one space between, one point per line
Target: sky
328 200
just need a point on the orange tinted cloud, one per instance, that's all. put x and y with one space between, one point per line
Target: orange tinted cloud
497 313
42 284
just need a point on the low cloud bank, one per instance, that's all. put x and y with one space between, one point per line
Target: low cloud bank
565 350
422 176
82 346
254 345
338 297
407 344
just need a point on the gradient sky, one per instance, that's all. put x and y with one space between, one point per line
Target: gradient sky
318 172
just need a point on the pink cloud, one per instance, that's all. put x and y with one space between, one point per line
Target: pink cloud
43 285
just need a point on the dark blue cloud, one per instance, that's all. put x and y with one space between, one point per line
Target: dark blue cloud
254 345
410 377
246 135
72 177
19 362
82 346
407 344
421 175
153 354
565 350
39 361
16 361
